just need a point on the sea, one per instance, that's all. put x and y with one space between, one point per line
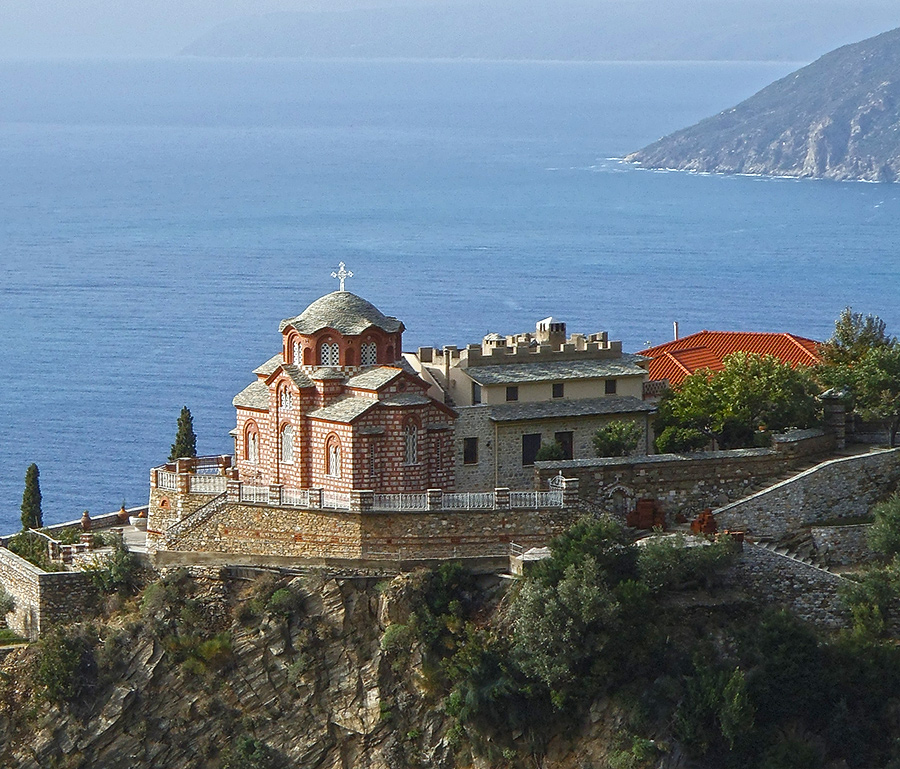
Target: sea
158 218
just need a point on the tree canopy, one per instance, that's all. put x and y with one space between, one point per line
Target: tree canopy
863 360
752 393
185 440
617 439
32 516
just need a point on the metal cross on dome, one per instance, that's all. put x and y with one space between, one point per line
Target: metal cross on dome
342 274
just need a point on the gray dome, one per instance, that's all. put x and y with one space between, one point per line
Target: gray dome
346 313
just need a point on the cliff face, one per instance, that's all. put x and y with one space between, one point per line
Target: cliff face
838 118
310 683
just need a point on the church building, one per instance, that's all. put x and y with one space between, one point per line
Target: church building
338 409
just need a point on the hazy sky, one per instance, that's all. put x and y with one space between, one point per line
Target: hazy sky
50 28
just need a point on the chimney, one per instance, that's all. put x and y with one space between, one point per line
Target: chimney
675 327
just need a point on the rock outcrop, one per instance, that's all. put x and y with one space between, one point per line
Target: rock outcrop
838 118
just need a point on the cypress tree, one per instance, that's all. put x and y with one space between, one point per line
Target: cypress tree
185 440
32 517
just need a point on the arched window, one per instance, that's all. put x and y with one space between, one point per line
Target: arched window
333 458
330 354
287 399
287 444
411 444
297 353
251 443
368 354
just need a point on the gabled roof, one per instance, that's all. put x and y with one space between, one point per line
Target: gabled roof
344 410
344 312
270 366
254 396
297 376
583 407
680 358
374 378
516 373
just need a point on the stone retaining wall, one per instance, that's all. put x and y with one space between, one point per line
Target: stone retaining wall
247 532
841 488
770 578
843 545
685 483
42 598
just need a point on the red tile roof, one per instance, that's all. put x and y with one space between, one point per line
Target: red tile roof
678 359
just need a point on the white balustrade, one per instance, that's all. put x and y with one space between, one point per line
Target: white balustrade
400 502
535 499
166 480
295 497
336 500
208 484
474 500
257 494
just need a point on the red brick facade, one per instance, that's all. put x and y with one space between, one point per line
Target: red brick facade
324 419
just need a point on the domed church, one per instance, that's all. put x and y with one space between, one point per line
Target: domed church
337 408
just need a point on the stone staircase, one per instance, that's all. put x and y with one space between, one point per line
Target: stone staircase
199 516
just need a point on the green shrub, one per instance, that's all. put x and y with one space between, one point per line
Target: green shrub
602 540
667 563
250 753
66 666
396 638
680 440
617 439
32 547
67 536
7 604
884 536
120 573
550 452
285 603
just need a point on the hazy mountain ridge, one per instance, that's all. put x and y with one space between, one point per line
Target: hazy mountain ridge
837 118
638 30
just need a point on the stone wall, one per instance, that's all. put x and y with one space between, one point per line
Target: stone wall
293 535
842 545
42 598
684 483
841 488
770 578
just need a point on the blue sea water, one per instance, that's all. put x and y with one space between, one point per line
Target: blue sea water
158 219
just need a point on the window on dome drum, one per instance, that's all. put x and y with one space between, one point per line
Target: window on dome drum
566 441
287 399
298 357
368 354
512 393
372 467
610 387
330 355
251 449
476 393
287 444
333 468
559 389
411 445
470 451
531 444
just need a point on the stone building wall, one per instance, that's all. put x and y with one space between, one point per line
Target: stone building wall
500 447
841 488
42 599
778 580
842 545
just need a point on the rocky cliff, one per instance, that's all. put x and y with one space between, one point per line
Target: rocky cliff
838 118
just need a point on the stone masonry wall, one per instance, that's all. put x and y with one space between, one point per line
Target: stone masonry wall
841 488
42 598
778 580
681 483
245 529
843 545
